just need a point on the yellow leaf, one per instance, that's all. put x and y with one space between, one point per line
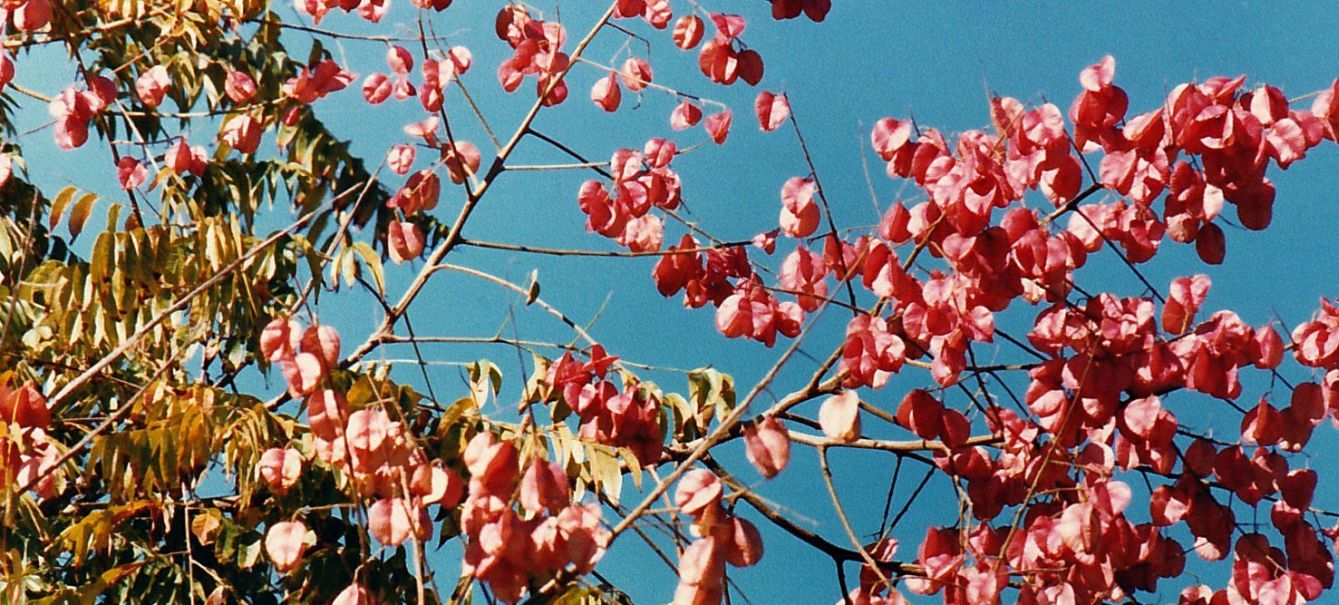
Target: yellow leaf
532 293
58 206
605 471
373 263
79 215
634 465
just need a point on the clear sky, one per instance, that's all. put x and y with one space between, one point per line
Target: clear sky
935 61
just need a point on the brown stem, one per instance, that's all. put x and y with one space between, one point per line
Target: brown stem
454 237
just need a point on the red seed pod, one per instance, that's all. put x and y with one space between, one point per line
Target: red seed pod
699 490
767 445
1210 244
285 542
743 543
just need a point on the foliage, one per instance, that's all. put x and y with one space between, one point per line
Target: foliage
142 461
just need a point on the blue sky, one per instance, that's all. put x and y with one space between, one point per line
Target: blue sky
933 61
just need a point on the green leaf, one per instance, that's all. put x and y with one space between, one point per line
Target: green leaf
464 593
373 263
463 407
681 413
249 550
362 392
483 374
574 595
712 393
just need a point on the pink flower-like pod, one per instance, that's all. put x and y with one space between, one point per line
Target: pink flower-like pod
239 87
636 74
767 445
304 374
742 543
544 487
699 491
462 161
492 464
393 520
32 15
131 173
437 485
280 468
242 133
6 70
773 110
839 416
606 94
405 241
377 88
718 126
399 59
323 342
354 595
688 31
400 158
280 339
686 115
152 85
799 211
285 543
